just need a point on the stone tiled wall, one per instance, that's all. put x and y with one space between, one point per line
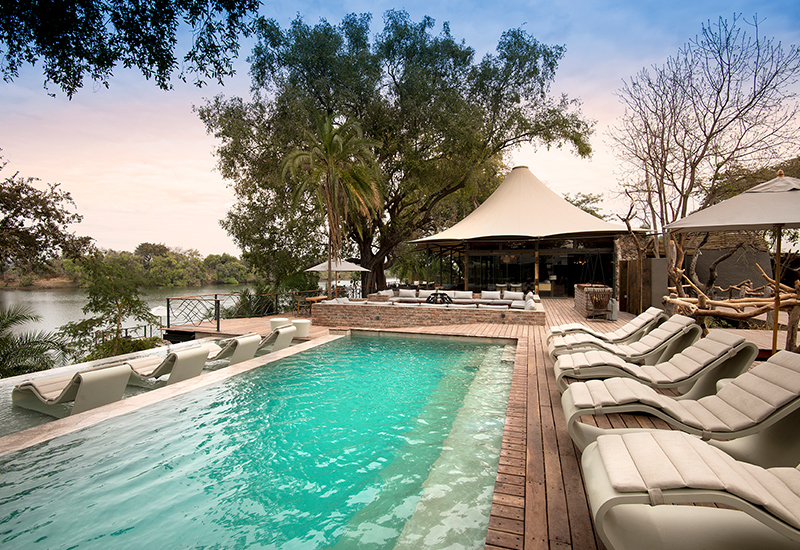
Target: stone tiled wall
393 316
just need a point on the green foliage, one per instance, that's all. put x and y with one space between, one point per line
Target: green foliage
147 251
82 337
225 269
112 292
90 38
25 352
34 223
588 202
444 121
336 165
110 348
176 269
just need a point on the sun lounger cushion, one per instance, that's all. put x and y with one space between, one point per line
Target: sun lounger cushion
654 462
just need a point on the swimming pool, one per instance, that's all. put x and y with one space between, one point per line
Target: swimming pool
362 443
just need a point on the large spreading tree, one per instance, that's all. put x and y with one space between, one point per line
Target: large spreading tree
444 120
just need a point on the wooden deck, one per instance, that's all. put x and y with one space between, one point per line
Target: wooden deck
539 500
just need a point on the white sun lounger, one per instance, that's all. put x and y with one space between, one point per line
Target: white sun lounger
177 366
280 338
694 371
632 330
753 418
638 486
73 393
671 337
236 350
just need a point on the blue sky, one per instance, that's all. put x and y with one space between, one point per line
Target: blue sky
141 168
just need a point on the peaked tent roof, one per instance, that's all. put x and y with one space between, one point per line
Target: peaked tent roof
523 207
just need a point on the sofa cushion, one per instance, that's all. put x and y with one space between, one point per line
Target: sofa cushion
425 293
463 295
407 293
490 294
509 295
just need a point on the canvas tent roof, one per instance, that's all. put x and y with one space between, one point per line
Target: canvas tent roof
523 207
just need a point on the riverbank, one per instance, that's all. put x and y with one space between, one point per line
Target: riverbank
41 283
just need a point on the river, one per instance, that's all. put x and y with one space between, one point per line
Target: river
57 307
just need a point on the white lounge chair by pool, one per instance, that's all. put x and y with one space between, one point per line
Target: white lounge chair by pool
752 418
73 393
177 366
671 337
236 350
632 330
694 371
638 486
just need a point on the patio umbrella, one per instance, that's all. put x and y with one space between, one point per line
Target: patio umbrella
771 205
340 266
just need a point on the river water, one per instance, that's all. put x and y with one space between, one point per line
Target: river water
57 307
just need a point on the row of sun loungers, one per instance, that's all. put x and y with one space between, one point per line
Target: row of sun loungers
74 393
735 442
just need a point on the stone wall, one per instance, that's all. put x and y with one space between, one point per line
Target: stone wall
394 316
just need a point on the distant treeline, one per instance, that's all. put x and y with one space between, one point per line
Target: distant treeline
153 264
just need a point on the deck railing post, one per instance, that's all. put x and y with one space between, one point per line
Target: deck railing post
216 311
167 312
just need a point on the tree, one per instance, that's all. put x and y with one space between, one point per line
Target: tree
90 38
34 223
148 251
445 122
112 293
724 100
337 166
24 352
588 202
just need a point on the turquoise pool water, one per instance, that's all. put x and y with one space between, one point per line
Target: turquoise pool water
362 443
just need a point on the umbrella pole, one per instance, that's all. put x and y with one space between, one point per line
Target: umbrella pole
777 289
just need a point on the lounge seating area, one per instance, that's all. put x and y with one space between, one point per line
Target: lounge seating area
734 439
504 299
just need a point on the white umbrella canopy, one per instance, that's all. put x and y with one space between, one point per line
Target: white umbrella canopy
774 204
341 266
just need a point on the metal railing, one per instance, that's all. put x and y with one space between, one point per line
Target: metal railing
194 310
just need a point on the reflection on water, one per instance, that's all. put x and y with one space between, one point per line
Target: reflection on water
59 306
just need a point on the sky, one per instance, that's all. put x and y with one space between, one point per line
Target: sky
141 168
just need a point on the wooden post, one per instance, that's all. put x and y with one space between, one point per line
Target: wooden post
778 229
536 272
466 269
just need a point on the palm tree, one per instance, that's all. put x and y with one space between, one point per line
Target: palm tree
28 351
338 166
